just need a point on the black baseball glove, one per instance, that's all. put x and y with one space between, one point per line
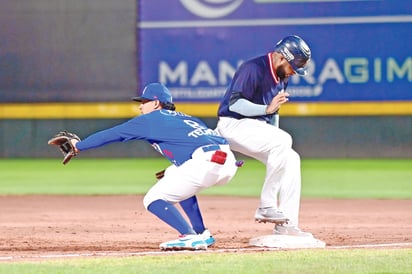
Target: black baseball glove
159 175
63 140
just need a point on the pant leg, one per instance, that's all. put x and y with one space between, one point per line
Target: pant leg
264 142
195 175
290 188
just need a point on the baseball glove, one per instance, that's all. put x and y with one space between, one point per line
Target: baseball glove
159 175
63 141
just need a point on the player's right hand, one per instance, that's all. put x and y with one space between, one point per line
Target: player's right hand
277 101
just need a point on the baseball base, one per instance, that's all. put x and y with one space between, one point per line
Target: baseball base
286 241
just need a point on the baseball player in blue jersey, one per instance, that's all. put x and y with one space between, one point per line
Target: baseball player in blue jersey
200 159
248 119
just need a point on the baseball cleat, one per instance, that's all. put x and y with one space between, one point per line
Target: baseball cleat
208 238
270 215
291 231
185 242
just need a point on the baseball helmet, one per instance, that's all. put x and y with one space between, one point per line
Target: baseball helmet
155 91
296 51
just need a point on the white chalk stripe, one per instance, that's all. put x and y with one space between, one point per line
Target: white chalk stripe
146 253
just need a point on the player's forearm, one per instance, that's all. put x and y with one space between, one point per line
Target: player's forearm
98 139
247 108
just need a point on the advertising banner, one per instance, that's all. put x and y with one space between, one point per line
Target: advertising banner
361 49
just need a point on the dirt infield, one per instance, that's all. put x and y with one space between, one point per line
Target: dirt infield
66 224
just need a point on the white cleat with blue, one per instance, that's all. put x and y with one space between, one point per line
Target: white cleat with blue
185 242
208 238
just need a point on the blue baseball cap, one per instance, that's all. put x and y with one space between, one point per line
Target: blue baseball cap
296 51
155 91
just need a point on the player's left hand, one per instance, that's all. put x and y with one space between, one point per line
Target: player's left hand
66 142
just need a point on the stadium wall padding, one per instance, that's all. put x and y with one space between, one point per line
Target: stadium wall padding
314 137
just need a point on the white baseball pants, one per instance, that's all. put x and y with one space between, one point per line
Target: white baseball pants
273 147
182 182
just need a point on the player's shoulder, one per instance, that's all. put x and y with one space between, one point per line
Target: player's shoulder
172 113
252 68
255 64
257 60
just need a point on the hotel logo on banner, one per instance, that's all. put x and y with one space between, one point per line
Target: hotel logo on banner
366 64
353 70
211 8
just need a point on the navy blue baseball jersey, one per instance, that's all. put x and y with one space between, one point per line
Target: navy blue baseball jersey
174 134
256 81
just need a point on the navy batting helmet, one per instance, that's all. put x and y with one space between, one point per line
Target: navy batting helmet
296 51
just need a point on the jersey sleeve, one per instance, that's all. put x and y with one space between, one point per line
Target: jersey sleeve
133 129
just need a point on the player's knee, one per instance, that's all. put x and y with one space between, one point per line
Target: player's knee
285 140
147 200
294 157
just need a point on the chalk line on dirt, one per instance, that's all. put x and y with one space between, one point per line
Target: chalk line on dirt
148 253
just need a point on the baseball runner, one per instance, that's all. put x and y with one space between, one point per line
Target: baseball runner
248 119
200 159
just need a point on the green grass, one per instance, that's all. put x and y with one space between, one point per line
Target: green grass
299 261
331 178
80 176
373 178
334 178
379 178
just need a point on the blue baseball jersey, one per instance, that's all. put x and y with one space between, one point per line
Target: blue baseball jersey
174 134
256 81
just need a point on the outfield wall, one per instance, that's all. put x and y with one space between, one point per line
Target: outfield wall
314 137
74 64
67 50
